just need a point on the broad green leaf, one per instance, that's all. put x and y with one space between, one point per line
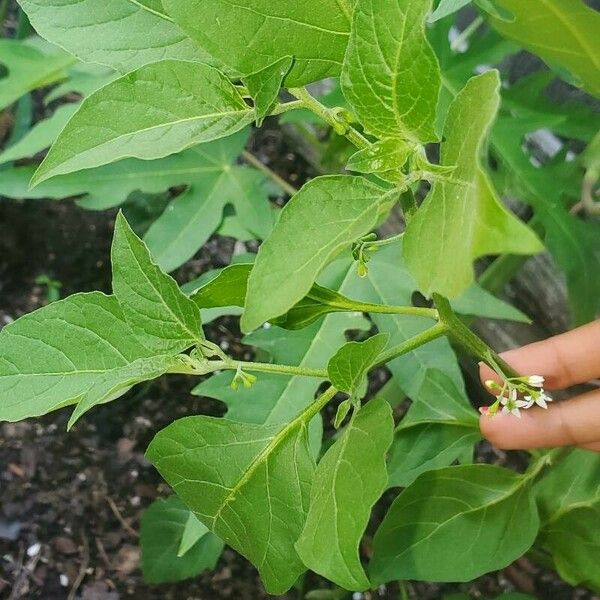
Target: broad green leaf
251 36
382 156
275 399
440 427
462 218
30 66
299 246
568 496
564 34
265 84
348 481
573 541
248 484
83 80
388 282
77 350
447 7
349 366
391 76
110 185
485 514
193 530
163 529
159 313
478 302
122 34
573 243
171 105
40 136
228 288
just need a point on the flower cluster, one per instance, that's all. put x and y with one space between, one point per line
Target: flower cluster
516 394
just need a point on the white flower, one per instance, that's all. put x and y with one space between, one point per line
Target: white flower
540 399
536 381
512 404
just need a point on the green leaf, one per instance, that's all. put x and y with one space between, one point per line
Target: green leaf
488 507
30 66
388 282
478 302
447 7
40 136
440 427
381 157
562 34
391 76
80 349
299 246
113 33
348 481
159 313
192 532
265 84
349 366
462 218
228 288
248 484
171 105
110 185
568 496
163 529
274 398
258 33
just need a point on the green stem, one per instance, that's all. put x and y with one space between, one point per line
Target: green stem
384 309
276 179
466 33
546 460
331 117
438 330
3 13
270 368
473 344
386 241
280 109
320 403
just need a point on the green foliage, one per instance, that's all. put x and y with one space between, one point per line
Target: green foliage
348 481
478 503
259 33
114 33
172 105
161 129
390 75
165 532
463 210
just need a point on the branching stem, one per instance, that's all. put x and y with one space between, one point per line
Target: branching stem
288 188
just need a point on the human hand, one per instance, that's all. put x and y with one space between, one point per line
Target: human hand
564 360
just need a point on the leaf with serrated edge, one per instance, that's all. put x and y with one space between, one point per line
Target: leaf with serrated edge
561 33
248 484
264 86
299 246
159 313
259 32
350 364
112 32
348 481
467 508
171 105
391 76
462 218
162 532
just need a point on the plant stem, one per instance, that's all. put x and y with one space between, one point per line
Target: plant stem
270 368
384 309
546 460
319 403
466 33
473 344
280 109
331 117
438 330
276 179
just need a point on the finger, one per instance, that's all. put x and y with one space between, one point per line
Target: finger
575 422
595 447
564 360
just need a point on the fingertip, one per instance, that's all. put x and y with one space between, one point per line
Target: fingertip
505 431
